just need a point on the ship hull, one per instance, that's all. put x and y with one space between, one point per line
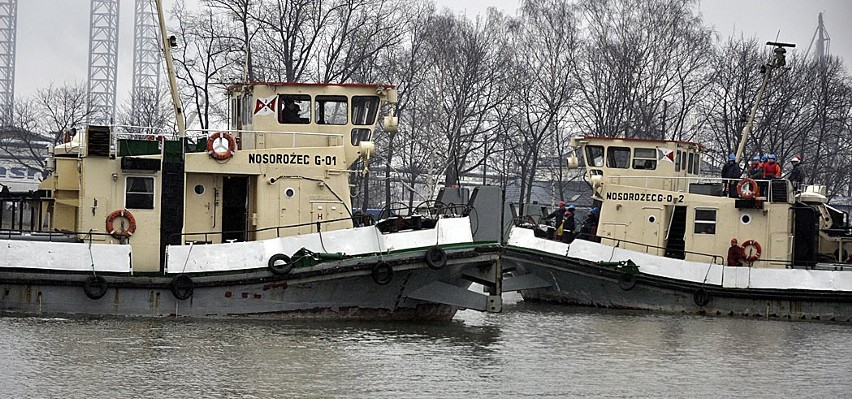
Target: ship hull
561 278
341 289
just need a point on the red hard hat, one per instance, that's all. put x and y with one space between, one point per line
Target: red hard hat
733 240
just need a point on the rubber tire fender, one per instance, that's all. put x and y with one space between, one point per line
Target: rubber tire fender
95 287
382 273
627 281
280 269
182 287
436 258
701 297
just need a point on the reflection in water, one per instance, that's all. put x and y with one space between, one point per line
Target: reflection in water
529 350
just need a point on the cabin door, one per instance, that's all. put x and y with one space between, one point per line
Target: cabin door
234 208
652 230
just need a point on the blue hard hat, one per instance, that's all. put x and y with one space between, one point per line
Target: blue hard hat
732 157
593 210
771 156
572 207
763 158
756 158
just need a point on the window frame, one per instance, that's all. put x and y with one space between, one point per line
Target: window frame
708 225
651 157
131 204
613 154
320 103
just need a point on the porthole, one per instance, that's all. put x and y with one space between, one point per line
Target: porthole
652 219
199 189
289 192
745 219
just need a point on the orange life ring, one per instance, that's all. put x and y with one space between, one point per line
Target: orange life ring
217 150
121 213
756 255
753 189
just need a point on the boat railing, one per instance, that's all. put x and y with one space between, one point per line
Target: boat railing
196 136
715 259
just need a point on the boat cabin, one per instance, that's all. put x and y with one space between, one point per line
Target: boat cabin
281 168
653 198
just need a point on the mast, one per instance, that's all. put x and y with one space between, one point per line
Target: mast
170 71
778 61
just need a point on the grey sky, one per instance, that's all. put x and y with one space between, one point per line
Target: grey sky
52 40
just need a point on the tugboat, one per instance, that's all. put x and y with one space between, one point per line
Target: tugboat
252 221
663 235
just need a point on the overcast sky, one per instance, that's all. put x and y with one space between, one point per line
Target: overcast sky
53 43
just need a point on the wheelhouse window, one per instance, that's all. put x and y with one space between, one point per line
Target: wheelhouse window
691 164
645 158
705 221
677 161
618 157
360 134
247 110
139 192
595 155
364 110
696 167
294 108
332 110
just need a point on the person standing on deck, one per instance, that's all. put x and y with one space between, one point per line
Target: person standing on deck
755 171
796 175
771 169
736 254
557 216
569 225
731 173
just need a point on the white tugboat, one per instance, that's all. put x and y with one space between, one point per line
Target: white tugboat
254 221
664 232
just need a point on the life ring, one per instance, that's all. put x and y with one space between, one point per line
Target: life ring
752 191
756 255
95 287
217 149
121 213
436 258
627 281
382 273
701 297
280 264
182 287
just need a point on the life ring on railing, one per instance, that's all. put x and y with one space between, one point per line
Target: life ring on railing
152 137
95 287
121 213
216 147
756 255
750 191
182 287
382 273
436 258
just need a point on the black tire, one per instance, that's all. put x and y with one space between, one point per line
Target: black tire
280 264
436 258
701 297
627 281
95 287
382 273
182 287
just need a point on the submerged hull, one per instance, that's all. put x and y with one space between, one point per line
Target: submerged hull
544 274
350 288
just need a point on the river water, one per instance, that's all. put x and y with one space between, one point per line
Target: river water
528 350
